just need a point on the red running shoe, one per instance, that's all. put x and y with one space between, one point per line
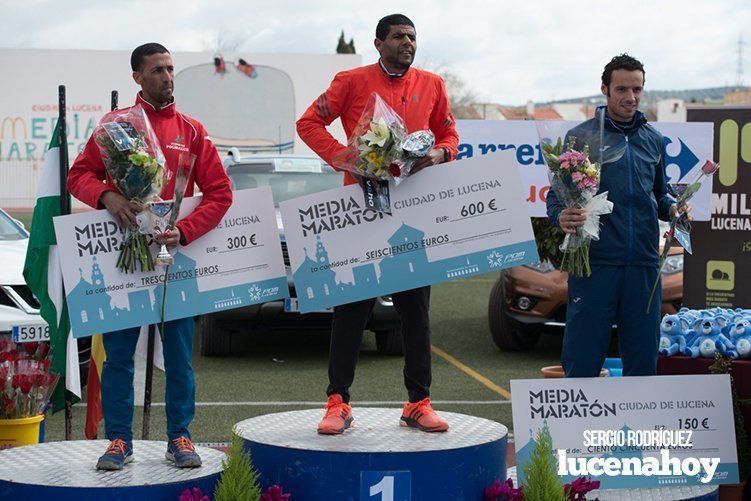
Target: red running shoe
338 416
421 415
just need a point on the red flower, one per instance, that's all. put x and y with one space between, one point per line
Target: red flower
45 365
40 379
709 168
2 384
16 380
27 381
9 356
395 170
30 348
44 350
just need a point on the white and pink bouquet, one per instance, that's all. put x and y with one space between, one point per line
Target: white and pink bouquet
575 180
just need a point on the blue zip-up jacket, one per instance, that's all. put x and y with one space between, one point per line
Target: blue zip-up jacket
636 184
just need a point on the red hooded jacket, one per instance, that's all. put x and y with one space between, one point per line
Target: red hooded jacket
419 97
88 179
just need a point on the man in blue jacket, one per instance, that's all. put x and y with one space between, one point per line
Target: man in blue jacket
625 259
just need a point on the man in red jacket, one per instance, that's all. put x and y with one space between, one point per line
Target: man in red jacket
88 181
419 97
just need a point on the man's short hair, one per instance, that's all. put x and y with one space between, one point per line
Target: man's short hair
384 25
621 62
147 49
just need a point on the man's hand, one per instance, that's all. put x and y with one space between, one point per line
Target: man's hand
570 219
121 208
433 157
170 238
686 208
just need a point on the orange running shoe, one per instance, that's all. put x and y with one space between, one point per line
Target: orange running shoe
421 415
338 416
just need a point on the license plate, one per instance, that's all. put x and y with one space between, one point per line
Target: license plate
291 306
31 333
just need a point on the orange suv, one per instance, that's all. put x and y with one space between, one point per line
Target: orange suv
527 299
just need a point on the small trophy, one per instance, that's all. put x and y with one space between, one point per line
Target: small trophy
161 212
165 213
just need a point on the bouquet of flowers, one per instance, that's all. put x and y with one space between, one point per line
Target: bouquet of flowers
26 383
575 180
680 227
134 160
380 148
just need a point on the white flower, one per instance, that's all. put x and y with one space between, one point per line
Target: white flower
378 134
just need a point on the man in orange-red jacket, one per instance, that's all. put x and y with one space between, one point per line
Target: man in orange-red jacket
88 181
419 97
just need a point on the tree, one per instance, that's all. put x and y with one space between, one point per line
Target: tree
239 480
461 97
343 47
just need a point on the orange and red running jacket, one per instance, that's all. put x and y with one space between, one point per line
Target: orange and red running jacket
177 133
419 97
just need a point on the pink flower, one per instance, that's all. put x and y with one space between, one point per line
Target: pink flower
274 493
577 490
193 495
577 177
564 165
504 492
709 168
572 158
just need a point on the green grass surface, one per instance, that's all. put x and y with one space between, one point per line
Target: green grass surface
291 367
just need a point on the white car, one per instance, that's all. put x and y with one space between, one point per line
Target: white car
18 306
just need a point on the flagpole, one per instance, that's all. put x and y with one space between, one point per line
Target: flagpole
148 383
64 210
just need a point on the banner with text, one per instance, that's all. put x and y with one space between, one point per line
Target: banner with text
713 274
237 264
632 432
449 221
687 145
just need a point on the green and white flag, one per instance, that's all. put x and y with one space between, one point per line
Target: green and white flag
44 276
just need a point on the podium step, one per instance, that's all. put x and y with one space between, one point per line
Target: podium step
377 458
67 471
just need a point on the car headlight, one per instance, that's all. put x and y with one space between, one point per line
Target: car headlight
541 266
673 264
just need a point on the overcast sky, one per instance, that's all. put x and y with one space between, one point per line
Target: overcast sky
506 51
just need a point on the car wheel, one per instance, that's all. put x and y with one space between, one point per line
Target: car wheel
508 334
389 342
215 340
